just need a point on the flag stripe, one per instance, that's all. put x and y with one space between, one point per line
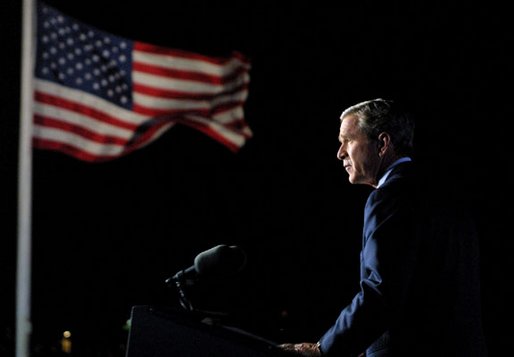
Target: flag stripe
58 106
144 52
60 144
48 134
90 104
151 101
174 73
232 139
152 111
78 130
186 85
82 147
165 93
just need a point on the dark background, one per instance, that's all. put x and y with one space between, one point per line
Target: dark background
106 236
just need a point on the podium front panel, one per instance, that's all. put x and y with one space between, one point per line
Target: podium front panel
157 332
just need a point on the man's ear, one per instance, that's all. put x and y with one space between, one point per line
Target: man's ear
384 141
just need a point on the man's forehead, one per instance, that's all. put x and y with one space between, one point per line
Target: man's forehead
348 121
349 127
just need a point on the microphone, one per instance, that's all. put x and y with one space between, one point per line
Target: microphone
221 260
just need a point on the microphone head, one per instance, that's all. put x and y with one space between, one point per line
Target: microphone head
220 260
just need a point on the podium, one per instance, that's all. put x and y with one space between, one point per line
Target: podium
162 332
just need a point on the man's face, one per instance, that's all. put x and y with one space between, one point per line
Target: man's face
358 153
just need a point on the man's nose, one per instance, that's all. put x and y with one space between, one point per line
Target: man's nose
341 153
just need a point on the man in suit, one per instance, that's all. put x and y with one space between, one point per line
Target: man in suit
419 278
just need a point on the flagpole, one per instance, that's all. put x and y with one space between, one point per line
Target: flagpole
23 272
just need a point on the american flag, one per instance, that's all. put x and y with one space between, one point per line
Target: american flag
99 96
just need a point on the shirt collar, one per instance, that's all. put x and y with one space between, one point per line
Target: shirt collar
390 168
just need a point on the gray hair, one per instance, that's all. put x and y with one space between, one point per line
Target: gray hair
380 115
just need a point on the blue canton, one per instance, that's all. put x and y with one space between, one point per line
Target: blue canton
81 57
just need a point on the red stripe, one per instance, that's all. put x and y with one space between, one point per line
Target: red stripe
235 74
166 93
69 150
152 112
211 132
146 47
78 130
175 94
176 74
237 125
187 75
225 107
82 109
246 61
147 136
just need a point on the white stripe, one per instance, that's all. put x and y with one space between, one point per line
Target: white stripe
89 100
229 116
234 97
247 132
231 135
188 64
77 141
82 121
163 103
187 86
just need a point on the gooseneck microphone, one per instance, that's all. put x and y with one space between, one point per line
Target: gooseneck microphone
217 262
221 260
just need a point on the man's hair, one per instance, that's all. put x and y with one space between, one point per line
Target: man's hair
380 115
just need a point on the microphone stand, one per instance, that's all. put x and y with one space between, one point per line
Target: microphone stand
179 281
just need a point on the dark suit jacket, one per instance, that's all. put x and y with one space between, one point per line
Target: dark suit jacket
419 289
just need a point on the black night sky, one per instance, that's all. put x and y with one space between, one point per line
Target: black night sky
106 236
